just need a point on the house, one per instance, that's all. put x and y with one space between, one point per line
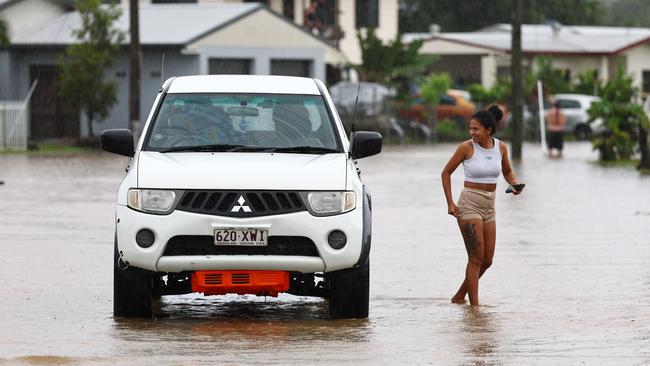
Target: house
25 15
39 11
483 55
335 20
207 38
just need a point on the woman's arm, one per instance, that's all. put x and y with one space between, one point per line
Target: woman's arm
452 164
508 174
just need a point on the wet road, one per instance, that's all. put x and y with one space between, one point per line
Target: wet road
570 282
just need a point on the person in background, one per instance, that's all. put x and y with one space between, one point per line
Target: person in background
555 126
484 158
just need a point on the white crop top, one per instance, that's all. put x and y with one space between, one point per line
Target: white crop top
485 164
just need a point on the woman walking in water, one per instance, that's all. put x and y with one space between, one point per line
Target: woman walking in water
484 158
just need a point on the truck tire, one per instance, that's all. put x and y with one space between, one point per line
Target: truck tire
582 133
349 292
132 290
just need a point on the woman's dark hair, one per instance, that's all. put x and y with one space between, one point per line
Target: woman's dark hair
489 118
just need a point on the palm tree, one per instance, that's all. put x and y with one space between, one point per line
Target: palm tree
4 33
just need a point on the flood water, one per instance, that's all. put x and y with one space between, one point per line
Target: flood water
570 283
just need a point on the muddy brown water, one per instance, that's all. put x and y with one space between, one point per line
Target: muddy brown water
570 282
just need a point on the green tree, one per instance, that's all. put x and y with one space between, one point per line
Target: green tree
4 33
83 64
622 118
498 93
395 64
554 81
588 83
628 13
434 86
470 15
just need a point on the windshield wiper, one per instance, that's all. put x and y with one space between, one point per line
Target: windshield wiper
305 150
250 148
208 148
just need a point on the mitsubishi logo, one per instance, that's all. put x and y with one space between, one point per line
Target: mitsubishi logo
241 206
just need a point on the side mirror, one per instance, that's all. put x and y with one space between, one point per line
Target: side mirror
117 141
365 143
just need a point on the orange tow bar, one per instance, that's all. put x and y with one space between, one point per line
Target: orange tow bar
261 283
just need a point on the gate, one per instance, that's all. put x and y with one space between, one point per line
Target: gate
14 122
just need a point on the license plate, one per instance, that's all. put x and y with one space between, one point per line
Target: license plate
242 237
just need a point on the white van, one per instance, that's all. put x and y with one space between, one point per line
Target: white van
242 184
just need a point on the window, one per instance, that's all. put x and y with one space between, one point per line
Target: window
291 67
287 9
367 13
254 120
646 81
239 66
568 104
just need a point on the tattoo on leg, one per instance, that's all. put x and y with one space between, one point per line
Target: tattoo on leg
471 240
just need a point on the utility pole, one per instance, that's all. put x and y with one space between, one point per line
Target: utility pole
134 70
517 82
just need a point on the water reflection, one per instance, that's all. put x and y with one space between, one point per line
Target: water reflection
243 319
479 330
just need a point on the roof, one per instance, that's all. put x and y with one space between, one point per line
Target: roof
160 24
69 4
244 84
550 39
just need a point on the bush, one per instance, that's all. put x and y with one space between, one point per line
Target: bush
448 130
622 119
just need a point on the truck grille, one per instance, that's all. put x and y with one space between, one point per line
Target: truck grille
204 245
240 203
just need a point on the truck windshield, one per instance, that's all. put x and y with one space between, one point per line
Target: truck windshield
242 122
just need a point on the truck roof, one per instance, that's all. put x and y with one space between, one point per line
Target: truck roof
263 84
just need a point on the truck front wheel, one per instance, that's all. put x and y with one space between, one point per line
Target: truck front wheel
349 292
132 289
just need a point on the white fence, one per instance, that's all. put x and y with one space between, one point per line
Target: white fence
14 122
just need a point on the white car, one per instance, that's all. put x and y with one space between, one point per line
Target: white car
575 107
242 184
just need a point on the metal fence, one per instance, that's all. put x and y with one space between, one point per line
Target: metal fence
14 122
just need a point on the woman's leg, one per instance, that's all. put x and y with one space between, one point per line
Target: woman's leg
489 240
472 231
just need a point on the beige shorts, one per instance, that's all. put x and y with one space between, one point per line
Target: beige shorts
476 204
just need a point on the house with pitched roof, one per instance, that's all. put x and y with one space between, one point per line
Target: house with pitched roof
208 38
483 55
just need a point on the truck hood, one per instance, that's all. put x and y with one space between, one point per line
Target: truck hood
241 171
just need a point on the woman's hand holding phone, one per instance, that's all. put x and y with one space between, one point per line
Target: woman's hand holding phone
516 188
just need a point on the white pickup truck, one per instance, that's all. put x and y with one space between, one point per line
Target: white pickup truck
242 184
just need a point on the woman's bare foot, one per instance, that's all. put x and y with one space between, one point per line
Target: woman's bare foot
458 300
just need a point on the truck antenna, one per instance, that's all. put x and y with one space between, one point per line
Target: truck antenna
354 111
162 70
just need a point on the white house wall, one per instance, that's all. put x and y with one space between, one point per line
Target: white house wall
262 36
444 47
26 15
638 60
387 29
576 64
261 57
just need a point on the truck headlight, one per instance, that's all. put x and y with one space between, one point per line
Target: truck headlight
330 203
155 201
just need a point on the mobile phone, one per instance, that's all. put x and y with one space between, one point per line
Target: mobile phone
518 187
